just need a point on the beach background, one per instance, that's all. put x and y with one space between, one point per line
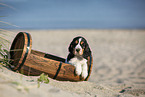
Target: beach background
118 68
114 29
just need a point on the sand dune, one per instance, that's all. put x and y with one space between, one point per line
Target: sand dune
118 70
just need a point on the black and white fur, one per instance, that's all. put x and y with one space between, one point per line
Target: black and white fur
78 53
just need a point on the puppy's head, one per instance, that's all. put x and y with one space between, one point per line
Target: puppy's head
79 47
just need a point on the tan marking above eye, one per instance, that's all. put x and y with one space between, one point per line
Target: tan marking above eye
76 41
82 42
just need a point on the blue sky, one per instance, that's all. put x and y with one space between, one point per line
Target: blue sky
74 14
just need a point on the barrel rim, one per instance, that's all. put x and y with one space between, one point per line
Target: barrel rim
25 52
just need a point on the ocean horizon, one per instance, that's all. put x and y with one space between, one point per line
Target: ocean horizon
73 14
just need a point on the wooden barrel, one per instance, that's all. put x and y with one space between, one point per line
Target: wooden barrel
31 62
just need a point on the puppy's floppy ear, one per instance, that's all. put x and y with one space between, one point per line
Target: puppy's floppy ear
87 51
71 47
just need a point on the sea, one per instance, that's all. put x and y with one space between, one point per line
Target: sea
72 14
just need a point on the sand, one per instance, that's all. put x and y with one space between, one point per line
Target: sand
118 69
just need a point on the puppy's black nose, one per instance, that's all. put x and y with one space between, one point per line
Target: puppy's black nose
78 50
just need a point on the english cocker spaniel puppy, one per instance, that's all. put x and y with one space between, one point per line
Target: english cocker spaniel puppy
78 53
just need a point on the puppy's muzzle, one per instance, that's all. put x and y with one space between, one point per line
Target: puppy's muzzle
77 50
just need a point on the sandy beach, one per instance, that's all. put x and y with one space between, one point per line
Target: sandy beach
118 65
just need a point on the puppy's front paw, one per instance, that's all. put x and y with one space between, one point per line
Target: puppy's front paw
85 70
78 69
84 74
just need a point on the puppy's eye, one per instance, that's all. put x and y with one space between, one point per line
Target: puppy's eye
82 43
76 42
